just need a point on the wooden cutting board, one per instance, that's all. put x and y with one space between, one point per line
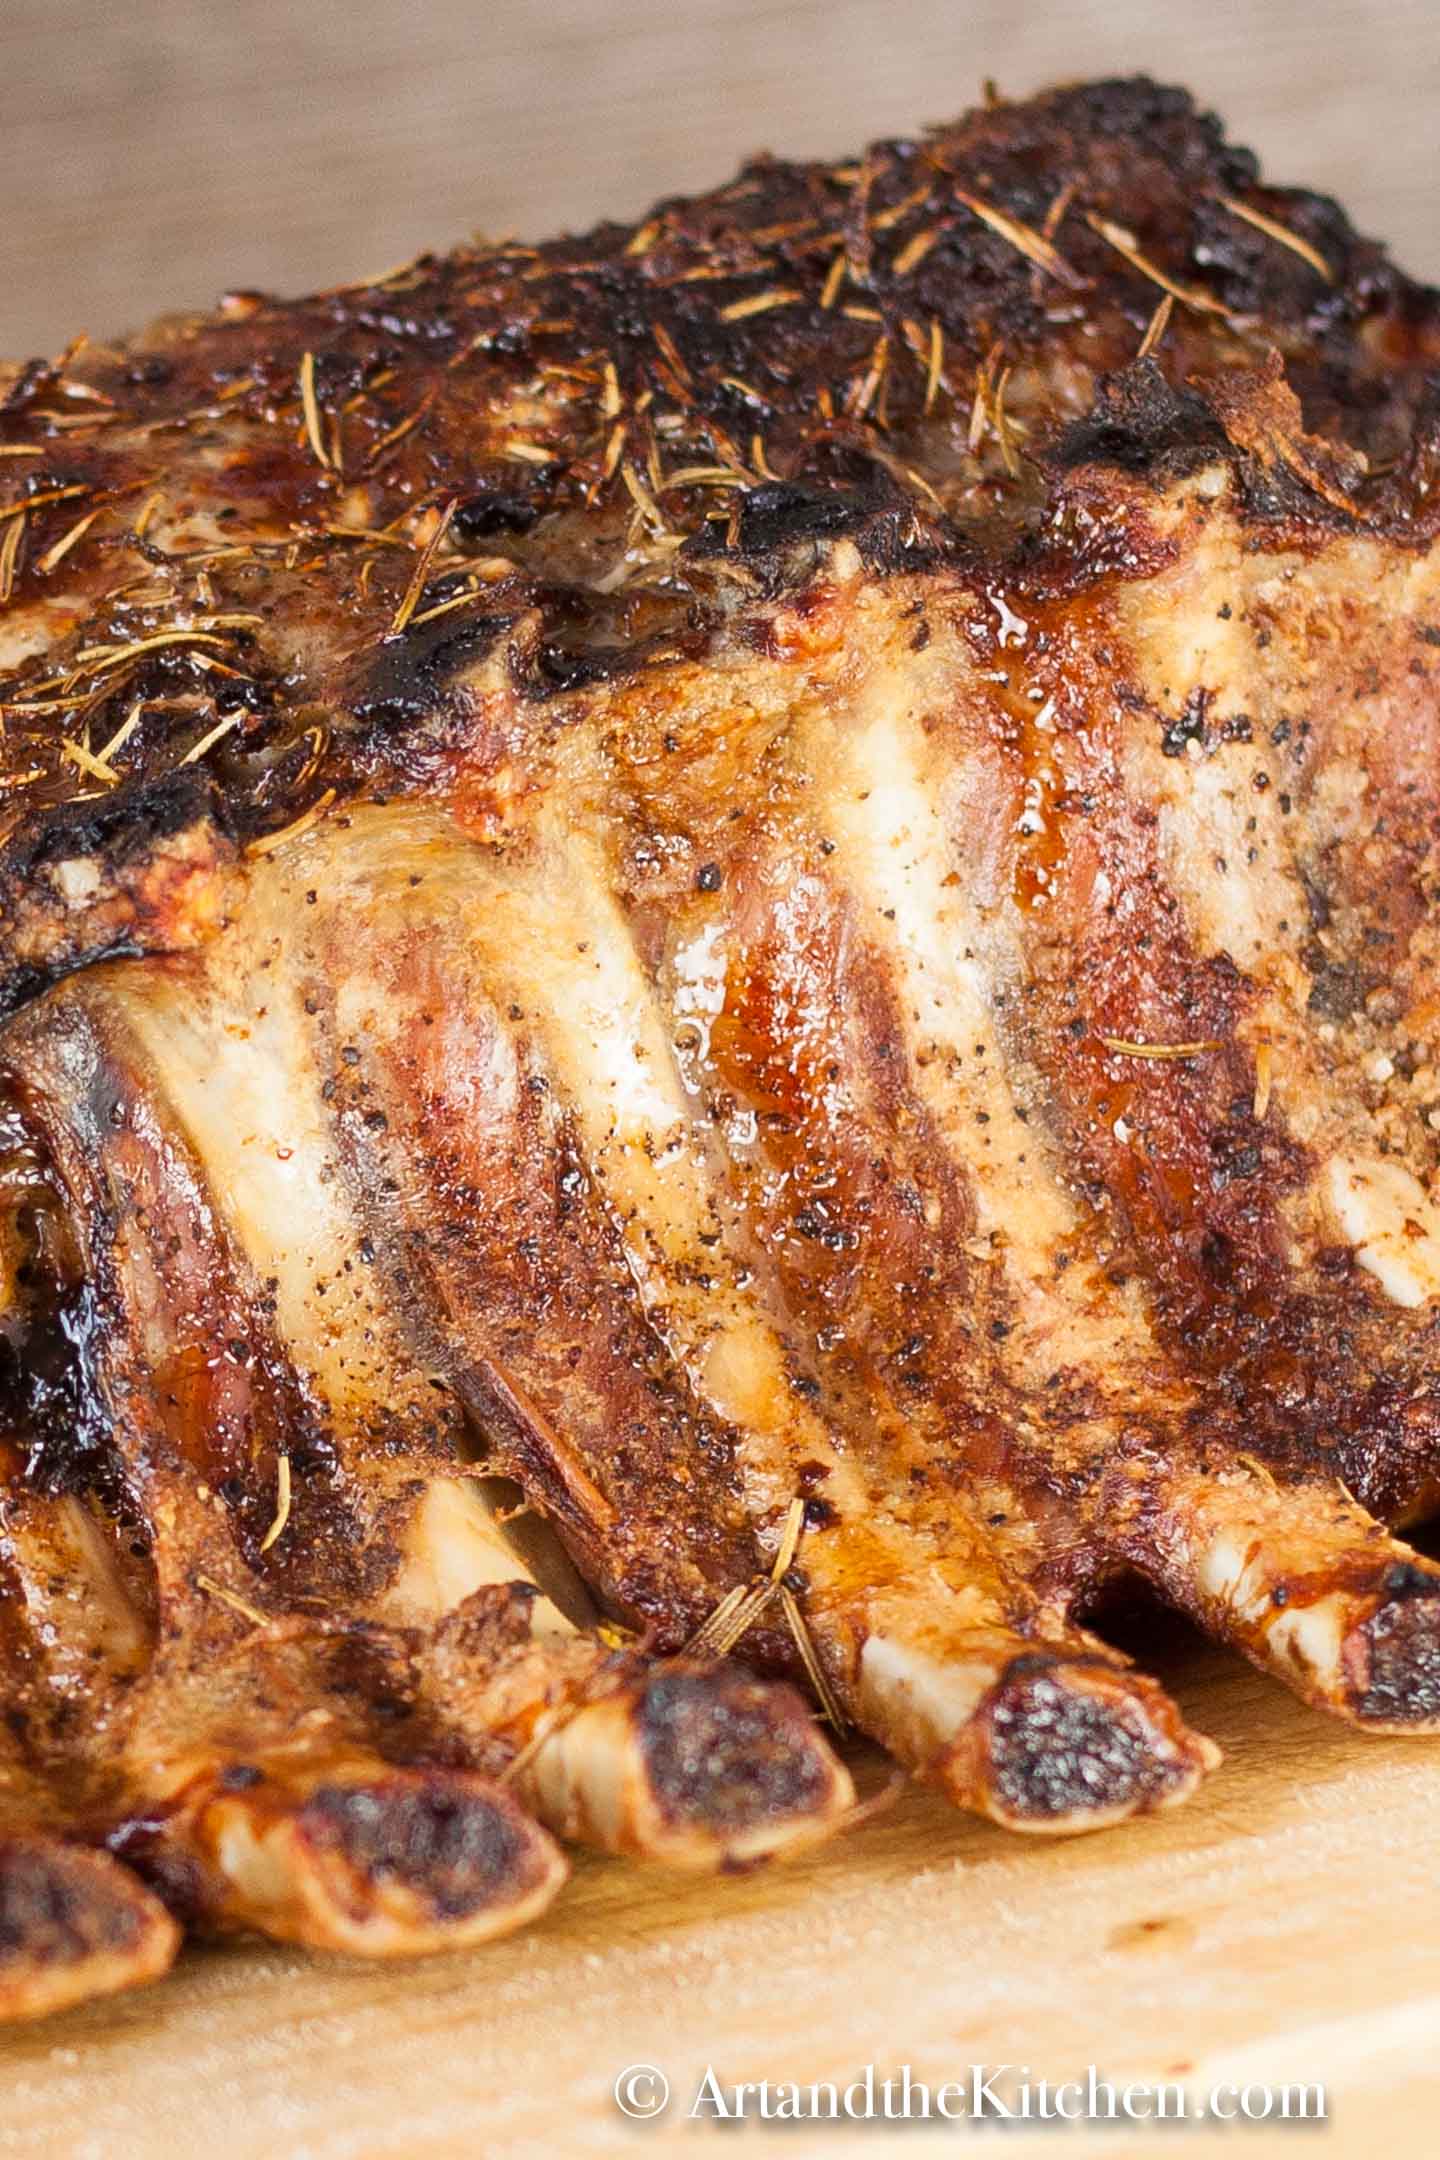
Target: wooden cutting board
1283 1927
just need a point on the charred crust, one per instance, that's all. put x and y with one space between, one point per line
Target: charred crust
556 666
407 681
145 870
1142 424
729 1750
783 530
714 339
118 830
493 511
1405 1580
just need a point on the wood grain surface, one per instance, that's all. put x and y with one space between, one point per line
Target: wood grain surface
156 152
1284 1927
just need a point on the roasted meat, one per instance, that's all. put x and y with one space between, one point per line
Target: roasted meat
760 891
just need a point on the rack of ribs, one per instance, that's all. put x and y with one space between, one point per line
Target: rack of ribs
715 939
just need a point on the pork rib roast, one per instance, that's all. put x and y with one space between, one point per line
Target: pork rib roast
772 876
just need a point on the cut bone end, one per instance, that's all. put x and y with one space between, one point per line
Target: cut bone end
1313 1590
1069 1744
74 1924
384 1863
694 1765
1391 1661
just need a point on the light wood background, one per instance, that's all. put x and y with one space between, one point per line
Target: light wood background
153 152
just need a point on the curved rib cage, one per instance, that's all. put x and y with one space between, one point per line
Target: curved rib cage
772 875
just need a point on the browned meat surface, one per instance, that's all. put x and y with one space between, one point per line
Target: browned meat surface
773 877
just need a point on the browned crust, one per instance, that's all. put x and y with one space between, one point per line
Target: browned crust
918 348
